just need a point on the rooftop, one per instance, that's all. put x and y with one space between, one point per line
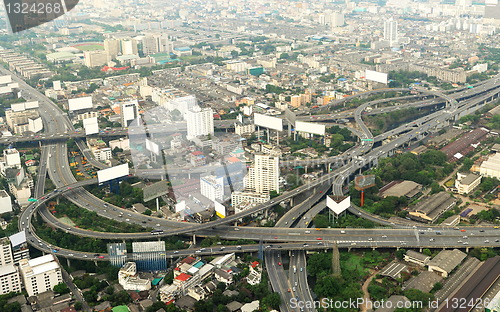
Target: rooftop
448 259
424 281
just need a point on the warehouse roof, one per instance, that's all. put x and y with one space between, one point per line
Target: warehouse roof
447 260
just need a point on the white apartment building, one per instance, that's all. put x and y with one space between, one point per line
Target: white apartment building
122 143
12 158
102 154
466 183
9 279
5 202
5 252
127 277
391 32
40 274
263 176
129 111
212 187
200 121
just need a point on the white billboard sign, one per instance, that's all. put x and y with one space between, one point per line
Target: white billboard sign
220 209
376 76
310 127
80 103
268 122
91 125
338 204
57 85
112 173
17 107
152 147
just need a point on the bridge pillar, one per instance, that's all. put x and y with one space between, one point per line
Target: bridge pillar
420 249
194 239
397 248
467 249
68 262
349 249
373 248
95 262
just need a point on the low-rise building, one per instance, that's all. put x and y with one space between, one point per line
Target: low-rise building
9 279
491 166
401 188
128 278
417 258
424 282
393 270
446 261
430 209
466 183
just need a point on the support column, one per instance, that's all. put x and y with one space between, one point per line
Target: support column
68 262
194 239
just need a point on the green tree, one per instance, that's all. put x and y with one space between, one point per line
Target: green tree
61 289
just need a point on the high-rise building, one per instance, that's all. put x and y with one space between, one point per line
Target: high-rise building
95 58
164 44
263 176
337 19
149 256
20 249
200 121
5 252
391 32
492 9
212 187
9 279
40 274
129 111
129 46
112 47
150 45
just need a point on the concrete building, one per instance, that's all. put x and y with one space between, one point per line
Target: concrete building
247 199
491 167
95 58
212 187
417 258
393 270
40 274
112 48
122 143
129 47
5 252
200 121
23 121
129 111
391 32
9 279
466 183
409 189
424 282
431 208
263 175
446 261
5 202
129 280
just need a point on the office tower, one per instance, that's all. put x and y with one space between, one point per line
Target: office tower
149 256
129 111
150 45
200 121
129 47
212 187
391 32
5 252
263 176
40 274
95 58
112 47
9 279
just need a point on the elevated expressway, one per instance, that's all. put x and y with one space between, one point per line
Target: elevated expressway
61 177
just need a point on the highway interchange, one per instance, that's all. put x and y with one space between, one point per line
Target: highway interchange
364 155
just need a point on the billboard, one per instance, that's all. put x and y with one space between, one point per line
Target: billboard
362 182
290 116
31 105
152 147
338 204
310 127
5 79
57 85
19 107
220 209
80 103
268 122
155 190
376 76
90 125
112 173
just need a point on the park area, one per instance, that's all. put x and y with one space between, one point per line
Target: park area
89 46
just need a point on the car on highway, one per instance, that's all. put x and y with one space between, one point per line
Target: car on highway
319 238
462 230
101 257
279 263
